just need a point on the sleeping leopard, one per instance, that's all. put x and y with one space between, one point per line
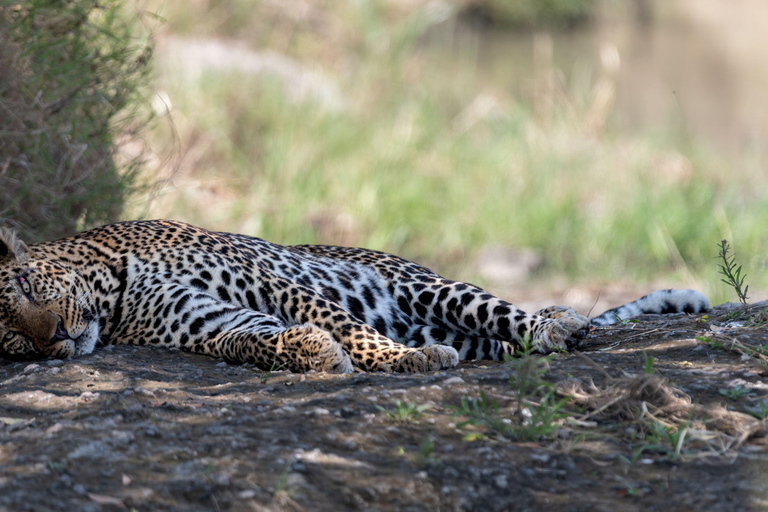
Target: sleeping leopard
243 299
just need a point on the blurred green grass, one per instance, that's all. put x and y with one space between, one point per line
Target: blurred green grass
427 160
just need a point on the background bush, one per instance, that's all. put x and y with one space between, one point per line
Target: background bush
71 76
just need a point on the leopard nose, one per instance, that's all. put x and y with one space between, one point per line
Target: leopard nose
61 333
577 339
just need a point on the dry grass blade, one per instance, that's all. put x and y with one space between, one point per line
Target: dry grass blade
650 399
625 397
758 355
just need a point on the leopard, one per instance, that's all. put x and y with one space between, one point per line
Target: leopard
245 300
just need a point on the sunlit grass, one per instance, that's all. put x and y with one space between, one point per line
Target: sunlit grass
422 161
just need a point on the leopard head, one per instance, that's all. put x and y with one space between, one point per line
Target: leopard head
46 307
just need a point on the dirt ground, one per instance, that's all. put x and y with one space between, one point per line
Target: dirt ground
131 428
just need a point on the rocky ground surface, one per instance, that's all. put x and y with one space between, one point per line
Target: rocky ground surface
131 428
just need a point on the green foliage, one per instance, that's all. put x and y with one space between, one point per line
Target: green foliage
71 78
732 272
648 363
424 456
403 412
538 413
667 440
712 343
482 412
735 393
762 413
265 376
625 321
758 353
527 376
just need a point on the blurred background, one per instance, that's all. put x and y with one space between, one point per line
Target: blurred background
552 151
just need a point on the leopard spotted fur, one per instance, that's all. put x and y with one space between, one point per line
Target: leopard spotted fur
240 298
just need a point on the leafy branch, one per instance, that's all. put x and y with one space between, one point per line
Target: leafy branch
732 272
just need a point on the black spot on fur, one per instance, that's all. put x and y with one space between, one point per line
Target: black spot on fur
486 348
380 325
503 329
438 335
482 313
180 304
369 298
402 303
356 307
667 307
197 283
418 339
331 294
196 325
223 294
501 310
426 298
251 298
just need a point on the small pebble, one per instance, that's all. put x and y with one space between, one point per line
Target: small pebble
31 368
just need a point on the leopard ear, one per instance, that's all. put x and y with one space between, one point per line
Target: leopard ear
11 246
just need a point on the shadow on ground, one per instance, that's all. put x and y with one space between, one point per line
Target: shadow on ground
132 428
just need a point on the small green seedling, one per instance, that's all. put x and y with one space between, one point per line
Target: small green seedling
735 393
648 363
424 456
625 321
264 377
403 412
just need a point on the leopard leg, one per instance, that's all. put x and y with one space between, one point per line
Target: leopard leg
369 349
469 348
197 322
299 348
460 308
466 309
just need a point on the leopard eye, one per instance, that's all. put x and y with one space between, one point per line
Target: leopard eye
25 286
9 335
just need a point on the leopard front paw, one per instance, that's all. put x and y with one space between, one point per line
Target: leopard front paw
564 330
427 359
308 347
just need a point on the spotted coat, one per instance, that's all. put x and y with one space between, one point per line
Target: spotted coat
166 283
